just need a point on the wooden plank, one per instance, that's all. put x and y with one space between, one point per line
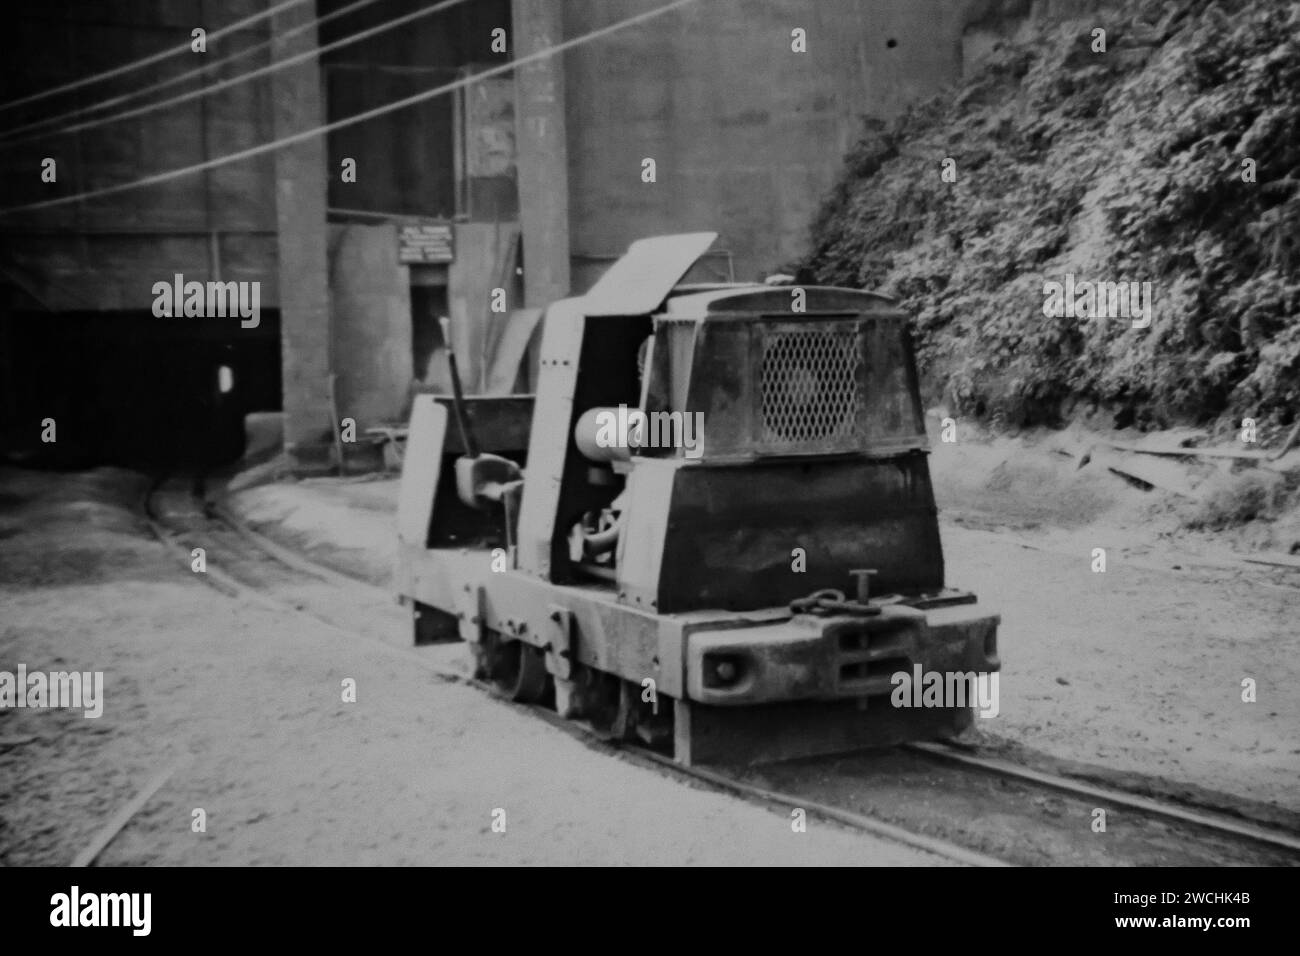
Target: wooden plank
1275 559
1145 449
510 350
420 467
1159 474
1187 452
470 281
120 819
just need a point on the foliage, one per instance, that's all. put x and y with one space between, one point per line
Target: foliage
1123 165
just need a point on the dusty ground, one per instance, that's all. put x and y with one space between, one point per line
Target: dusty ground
250 700
1137 669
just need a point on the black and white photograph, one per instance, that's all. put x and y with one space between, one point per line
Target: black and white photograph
651 434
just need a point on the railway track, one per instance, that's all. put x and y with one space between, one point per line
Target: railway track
1112 797
964 807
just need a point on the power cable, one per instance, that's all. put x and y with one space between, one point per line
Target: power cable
242 77
347 121
183 77
148 60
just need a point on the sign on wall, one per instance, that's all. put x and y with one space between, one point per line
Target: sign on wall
425 243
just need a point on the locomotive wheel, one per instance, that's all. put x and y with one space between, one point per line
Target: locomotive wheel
516 670
598 697
433 626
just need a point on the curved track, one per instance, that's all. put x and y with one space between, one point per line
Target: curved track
967 808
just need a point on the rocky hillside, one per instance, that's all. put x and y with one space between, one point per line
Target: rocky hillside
1123 165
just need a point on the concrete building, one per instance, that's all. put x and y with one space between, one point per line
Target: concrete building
360 239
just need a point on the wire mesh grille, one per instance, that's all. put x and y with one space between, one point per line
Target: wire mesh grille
810 386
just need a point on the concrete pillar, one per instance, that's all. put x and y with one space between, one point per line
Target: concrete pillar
300 201
371 309
541 152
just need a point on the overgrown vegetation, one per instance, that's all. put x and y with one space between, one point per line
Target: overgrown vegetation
1232 500
1122 165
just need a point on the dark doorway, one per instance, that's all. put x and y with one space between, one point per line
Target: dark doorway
428 303
131 389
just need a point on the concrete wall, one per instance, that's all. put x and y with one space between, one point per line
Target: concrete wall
747 135
105 254
404 159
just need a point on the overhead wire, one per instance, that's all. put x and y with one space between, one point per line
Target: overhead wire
220 85
303 135
208 67
151 59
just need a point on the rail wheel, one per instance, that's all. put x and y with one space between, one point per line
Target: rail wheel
617 709
515 669
433 626
594 697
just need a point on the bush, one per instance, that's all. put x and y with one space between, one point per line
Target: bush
1118 166
1236 499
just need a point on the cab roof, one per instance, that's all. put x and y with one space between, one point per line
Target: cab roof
694 301
645 280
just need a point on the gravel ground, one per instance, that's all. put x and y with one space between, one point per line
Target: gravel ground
249 700
1137 669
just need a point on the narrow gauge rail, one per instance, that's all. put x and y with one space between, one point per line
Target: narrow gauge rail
183 519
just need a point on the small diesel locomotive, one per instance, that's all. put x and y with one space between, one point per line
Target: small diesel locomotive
740 590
